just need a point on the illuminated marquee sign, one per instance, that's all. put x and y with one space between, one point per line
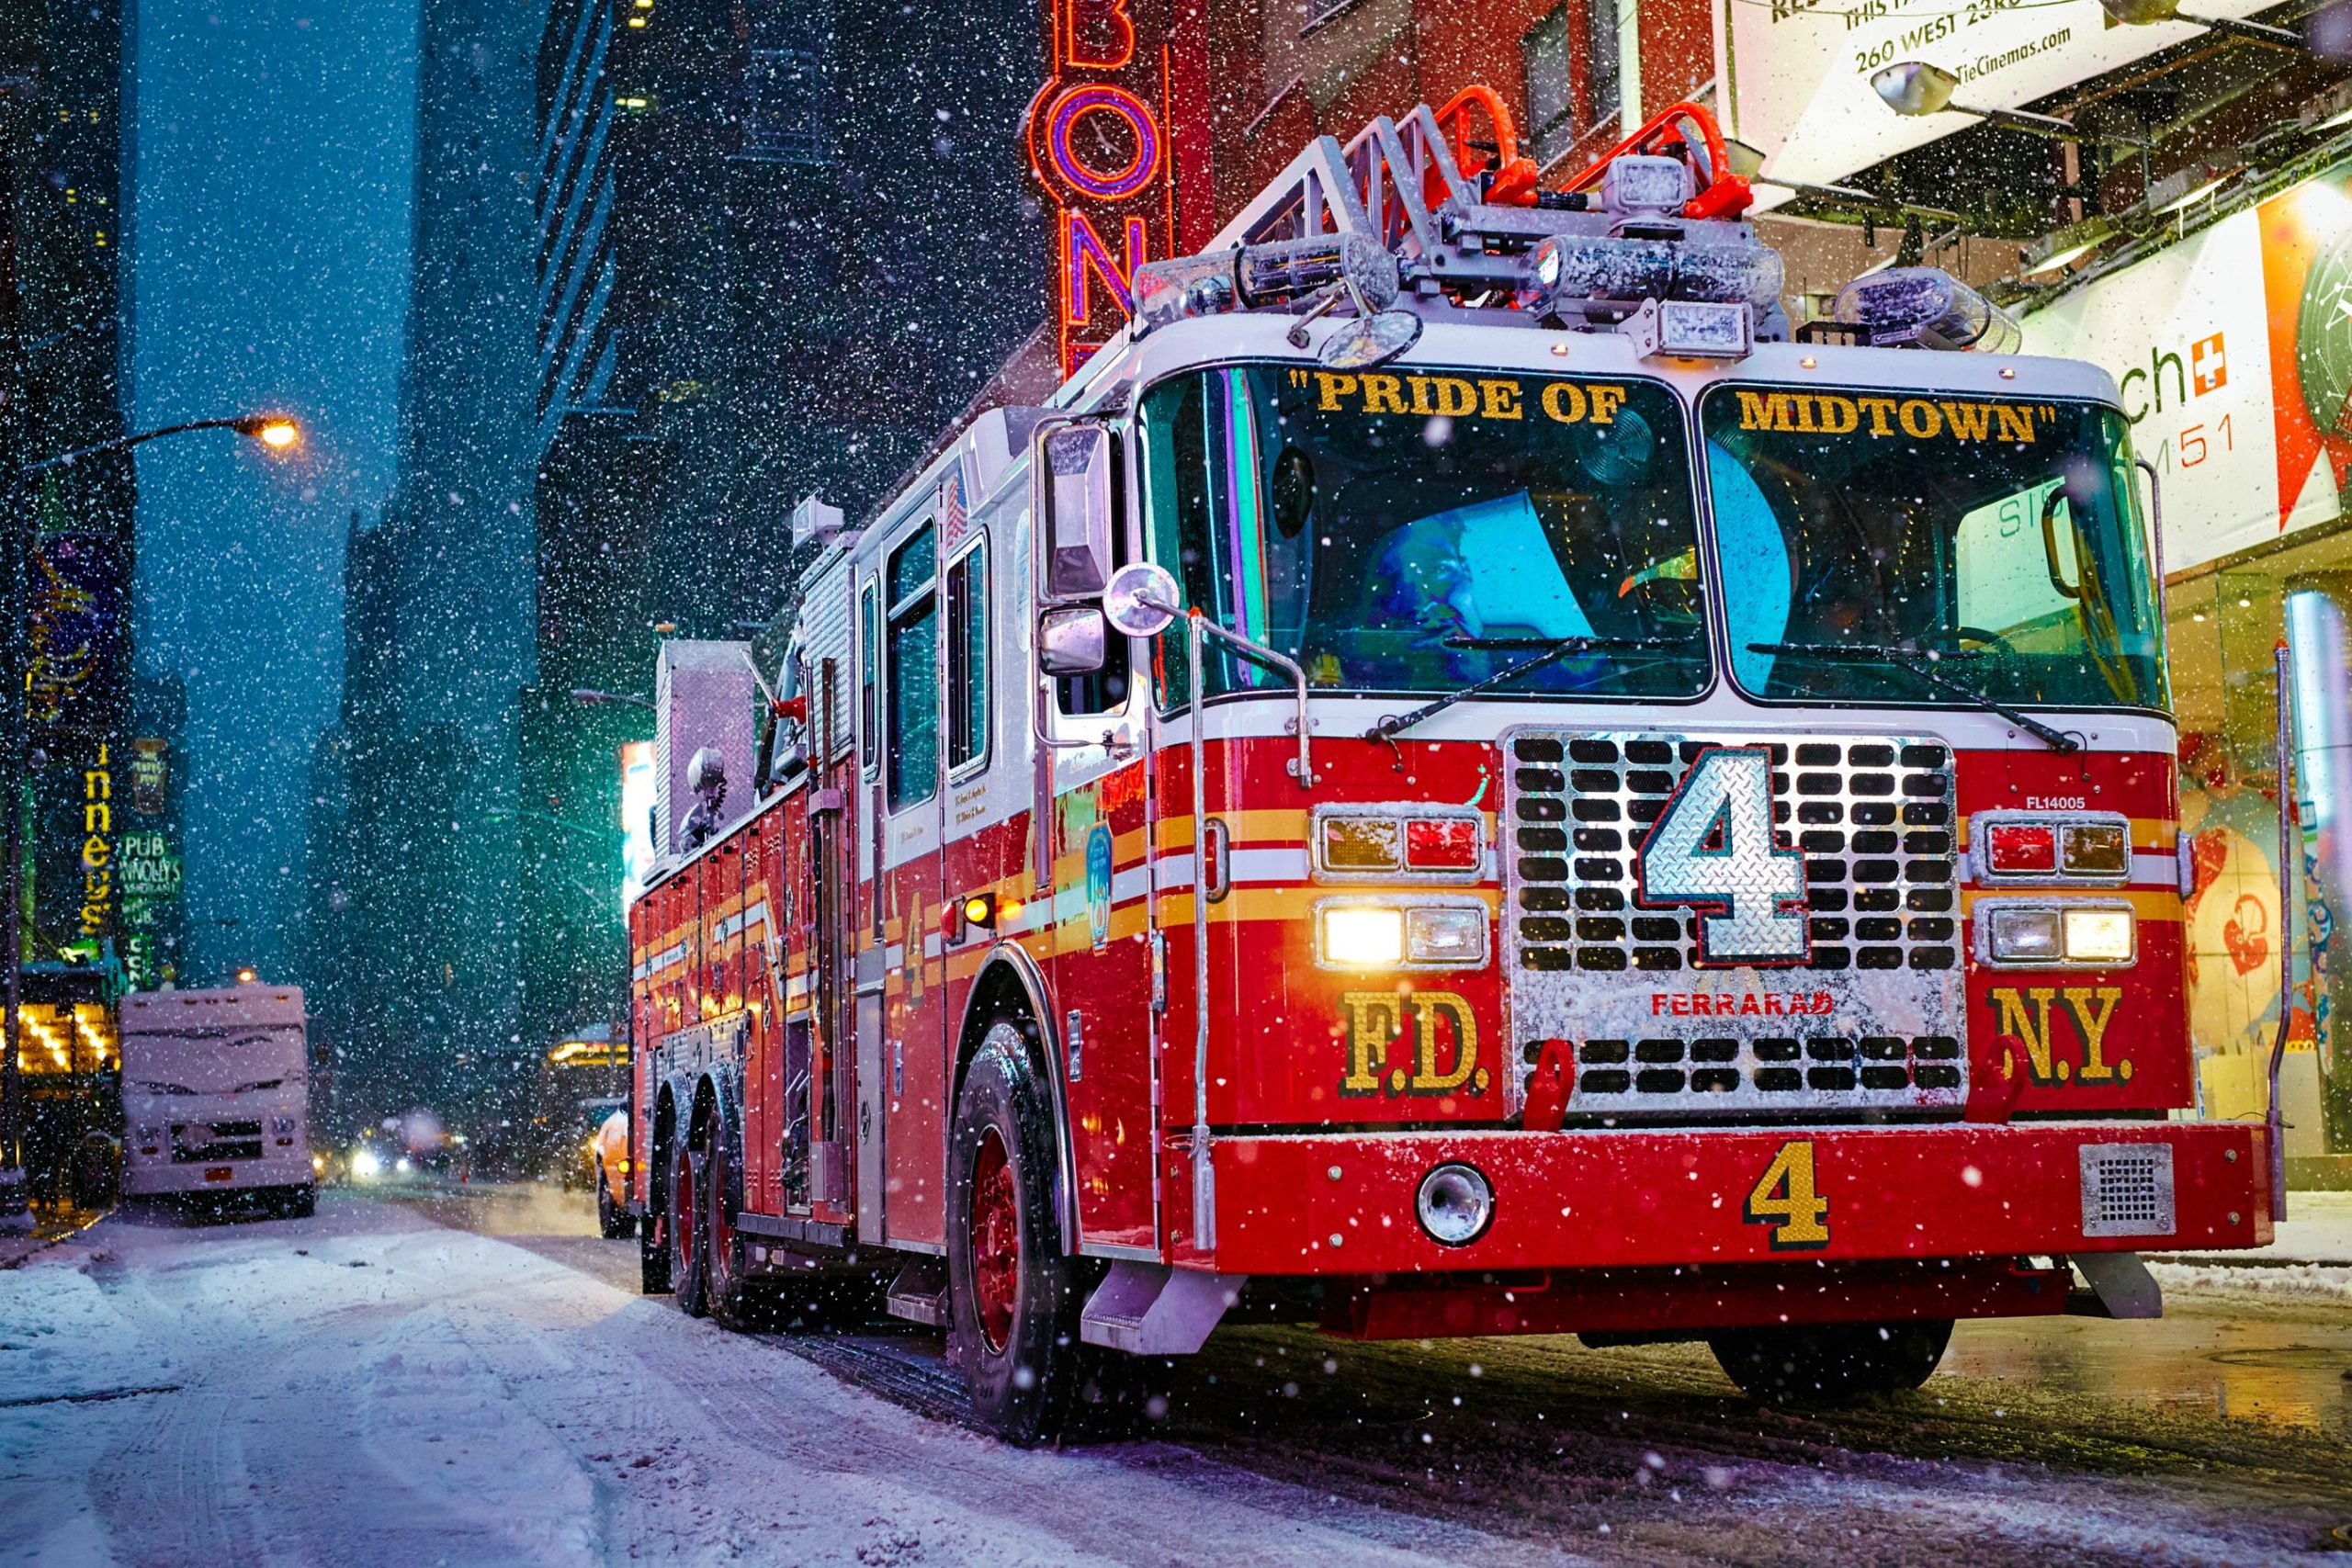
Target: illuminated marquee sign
1100 142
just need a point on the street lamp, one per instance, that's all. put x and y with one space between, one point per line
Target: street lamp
1914 89
277 432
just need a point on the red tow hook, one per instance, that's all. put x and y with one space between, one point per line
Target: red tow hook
1549 1086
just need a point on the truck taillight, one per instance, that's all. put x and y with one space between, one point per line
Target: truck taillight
1397 843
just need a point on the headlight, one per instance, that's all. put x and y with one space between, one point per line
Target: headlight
1414 933
1445 935
1360 938
365 1164
2026 936
2070 935
1455 1204
2099 936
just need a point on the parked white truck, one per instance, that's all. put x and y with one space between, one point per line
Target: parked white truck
216 1095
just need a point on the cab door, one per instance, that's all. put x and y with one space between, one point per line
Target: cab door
914 1028
1095 790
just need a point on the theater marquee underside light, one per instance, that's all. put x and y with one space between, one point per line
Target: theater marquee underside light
1099 144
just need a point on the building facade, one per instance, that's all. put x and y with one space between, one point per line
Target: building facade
779 245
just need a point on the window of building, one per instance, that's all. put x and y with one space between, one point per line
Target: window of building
1562 102
913 633
1551 95
967 658
783 108
1602 83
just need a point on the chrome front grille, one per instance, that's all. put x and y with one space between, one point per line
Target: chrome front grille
1872 1017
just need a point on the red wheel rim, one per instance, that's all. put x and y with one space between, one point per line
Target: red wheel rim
681 1207
996 1241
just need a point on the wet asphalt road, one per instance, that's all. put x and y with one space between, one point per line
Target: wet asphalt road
2221 1433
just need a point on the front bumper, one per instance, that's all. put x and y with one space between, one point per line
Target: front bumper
158 1177
1343 1203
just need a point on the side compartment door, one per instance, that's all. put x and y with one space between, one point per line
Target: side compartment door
863 916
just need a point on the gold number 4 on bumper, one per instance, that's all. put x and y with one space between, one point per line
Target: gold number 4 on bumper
1784 1199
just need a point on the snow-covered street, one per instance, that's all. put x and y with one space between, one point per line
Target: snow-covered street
386 1384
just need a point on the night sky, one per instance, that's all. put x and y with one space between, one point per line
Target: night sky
271 174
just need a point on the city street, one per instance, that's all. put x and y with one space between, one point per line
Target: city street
466 1375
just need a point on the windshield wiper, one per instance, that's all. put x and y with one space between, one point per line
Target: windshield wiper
1903 659
1551 651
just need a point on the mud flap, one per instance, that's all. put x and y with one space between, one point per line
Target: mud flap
2120 1285
1149 1309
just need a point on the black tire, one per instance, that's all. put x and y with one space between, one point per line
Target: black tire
682 1227
612 1222
1012 1315
1831 1363
652 1259
727 1295
300 1203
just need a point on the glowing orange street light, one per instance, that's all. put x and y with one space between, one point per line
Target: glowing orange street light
275 431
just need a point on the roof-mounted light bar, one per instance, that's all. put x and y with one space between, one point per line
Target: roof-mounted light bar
1927 308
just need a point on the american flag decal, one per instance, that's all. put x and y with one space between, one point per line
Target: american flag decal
950 511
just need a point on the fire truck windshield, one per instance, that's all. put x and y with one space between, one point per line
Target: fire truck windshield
1998 540
1419 531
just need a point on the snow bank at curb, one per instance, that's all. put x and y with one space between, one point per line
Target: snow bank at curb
2286 1281
60 1337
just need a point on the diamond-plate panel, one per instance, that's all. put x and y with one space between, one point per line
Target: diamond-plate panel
1872 1018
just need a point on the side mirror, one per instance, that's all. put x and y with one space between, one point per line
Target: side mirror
1071 641
1141 599
1074 510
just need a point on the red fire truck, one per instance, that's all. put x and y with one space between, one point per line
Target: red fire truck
1461 779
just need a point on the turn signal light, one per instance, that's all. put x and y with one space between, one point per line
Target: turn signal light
1397 844
1446 843
2017 849
2096 849
960 916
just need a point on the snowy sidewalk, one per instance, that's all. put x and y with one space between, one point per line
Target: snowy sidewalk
367 1388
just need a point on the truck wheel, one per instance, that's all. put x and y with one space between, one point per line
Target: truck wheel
1013 1298
612 1222
722 1268
683 1225
652 1259
1831 1363
301 1202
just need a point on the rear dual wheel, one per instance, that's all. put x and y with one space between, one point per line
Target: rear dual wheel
683 1225
1831 1363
